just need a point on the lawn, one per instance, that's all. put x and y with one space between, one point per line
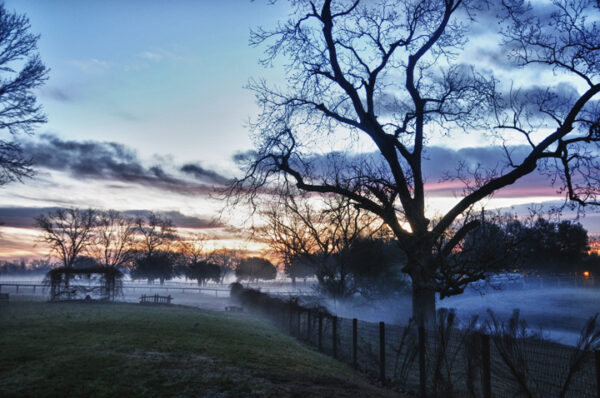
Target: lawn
101 350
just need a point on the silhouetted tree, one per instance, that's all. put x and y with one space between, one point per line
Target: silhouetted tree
67 232
385 74
203 271
254 268
21 72
226 259
114 238
154 259
553 246
154 233
160 265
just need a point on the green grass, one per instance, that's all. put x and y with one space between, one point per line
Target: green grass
86 350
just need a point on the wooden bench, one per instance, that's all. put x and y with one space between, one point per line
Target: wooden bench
156 299
4 298
233 308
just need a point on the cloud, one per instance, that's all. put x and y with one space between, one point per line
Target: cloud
203 174
24 217
110 161
58 94
179 219
92 66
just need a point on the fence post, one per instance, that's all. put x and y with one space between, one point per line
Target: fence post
598 373
334 336
422 375
485 359
308 325
17 288
320 339
298 330
291 314
382 351
355 343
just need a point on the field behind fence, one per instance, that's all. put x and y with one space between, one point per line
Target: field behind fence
447 361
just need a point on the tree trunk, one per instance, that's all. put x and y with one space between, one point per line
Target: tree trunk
423 306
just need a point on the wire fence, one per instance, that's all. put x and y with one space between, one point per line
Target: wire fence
445 361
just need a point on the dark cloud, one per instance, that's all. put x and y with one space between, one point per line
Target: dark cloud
24 217
109 161
178 218
58 94
203 174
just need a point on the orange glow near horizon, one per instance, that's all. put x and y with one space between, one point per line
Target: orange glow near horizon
24 243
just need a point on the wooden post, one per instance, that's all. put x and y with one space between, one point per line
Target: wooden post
34 288
308 325
486 368
355 343
382 351
17 288
320 338
291 313
298 330
598 373
422 375
334 336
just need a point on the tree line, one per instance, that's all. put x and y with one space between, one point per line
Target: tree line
350 252
149 247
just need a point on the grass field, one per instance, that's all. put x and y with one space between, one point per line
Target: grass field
96 350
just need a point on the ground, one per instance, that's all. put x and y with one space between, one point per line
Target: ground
95 350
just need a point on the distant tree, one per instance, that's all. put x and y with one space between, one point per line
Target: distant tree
83 262
394 76
68 233
21 72
254 268
376 267
160 265
227 260
549 246
316 233
154 258
114 238
299 267
203 271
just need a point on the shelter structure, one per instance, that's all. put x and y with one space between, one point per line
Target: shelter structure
99 283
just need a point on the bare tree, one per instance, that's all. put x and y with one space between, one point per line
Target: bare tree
193 248
384 75
316 232
226 259
113 239
21 71
154 233
68 232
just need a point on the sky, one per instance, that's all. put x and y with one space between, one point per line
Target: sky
147 105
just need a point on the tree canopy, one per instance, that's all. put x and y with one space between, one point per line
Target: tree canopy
377 81
21 72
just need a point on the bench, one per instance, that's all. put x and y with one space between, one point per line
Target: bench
156 299
3 298
233 308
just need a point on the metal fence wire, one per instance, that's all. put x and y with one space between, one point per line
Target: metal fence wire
446 361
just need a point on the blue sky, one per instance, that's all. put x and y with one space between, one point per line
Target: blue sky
165 78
